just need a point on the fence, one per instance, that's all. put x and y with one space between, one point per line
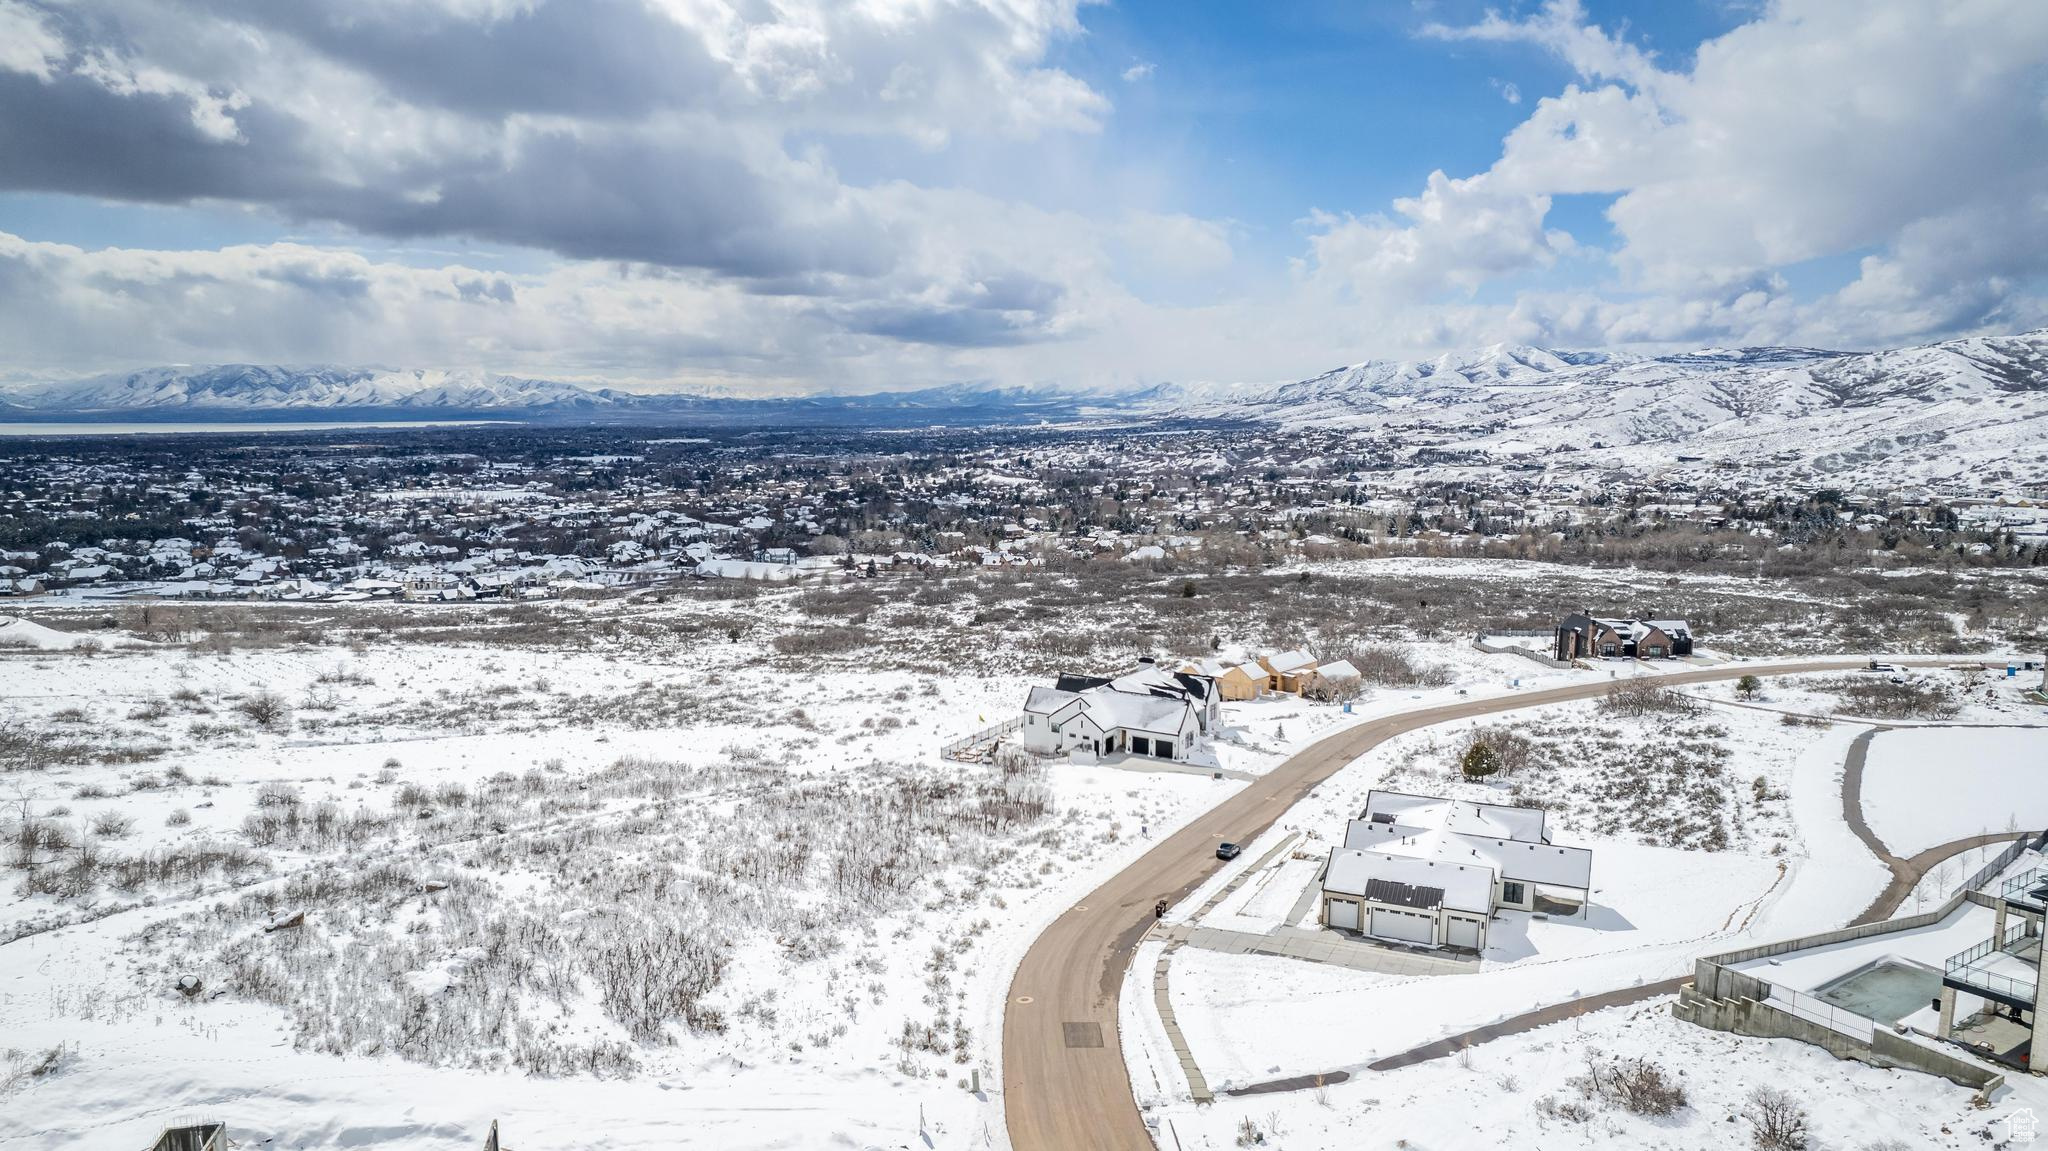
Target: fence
968 747
2026 888
1961 966
1826 1014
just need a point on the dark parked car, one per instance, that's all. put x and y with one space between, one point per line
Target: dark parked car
1228 851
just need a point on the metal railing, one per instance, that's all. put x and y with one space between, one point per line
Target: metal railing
1962 959
1960 967
974 741
1857 1027
2025 888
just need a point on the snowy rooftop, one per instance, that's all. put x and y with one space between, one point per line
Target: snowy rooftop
1495 821
1507 840
1464 887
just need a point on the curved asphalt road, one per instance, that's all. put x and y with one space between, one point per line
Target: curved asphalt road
1065 1087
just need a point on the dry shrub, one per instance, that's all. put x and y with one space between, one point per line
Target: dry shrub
1632 1083
1879 697
1509 749
1645 696
1776 1121
1394 667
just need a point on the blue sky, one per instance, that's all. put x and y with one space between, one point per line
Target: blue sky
1037 191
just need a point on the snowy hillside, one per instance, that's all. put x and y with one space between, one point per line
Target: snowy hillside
1964 412
248 387
1931 412
244 390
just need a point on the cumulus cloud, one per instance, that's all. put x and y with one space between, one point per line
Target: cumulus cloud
620 129
681 168
1816 130
1457 234
27 44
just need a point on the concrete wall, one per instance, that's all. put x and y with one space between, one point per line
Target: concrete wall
1746 1016
1723 999
1710 973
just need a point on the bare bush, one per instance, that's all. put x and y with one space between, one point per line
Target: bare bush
819 641
1632 1083
1394 667
266 709
1508 749
646 981
1776 1120
24 749
18 1067
112 825
1642 695
277 795
1881 698
1564 1110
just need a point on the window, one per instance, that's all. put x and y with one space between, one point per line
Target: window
1511 891
1654 651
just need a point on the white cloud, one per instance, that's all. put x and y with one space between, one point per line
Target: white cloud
28 45
691 193
1820 128
1457 234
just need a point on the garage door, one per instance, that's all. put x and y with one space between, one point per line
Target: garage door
1344 914
1401 925
1462 933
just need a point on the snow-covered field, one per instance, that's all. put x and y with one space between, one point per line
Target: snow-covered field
1933 786
1513 1092
649 876
495 848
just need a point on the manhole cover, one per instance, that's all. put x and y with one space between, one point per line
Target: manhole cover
1083 1034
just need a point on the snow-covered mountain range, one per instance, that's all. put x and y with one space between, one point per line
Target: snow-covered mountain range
239 391
1942 411
1932 412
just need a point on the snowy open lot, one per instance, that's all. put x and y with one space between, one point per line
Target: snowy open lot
1520 1092
431 885
1928 787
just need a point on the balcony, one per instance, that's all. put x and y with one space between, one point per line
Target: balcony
2029 891
2002 970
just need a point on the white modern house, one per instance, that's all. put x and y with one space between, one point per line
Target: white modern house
1431 871
1150 712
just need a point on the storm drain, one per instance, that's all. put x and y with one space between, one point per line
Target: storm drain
1083 1034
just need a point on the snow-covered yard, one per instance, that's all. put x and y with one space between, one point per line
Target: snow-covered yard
1927 787
1520 1091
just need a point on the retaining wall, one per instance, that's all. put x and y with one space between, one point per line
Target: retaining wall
1747 1016
1723 999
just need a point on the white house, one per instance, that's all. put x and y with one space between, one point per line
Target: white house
1151 712
1433 871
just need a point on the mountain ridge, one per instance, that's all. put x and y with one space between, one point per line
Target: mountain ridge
1929 411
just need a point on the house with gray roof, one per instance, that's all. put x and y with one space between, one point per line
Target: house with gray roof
1149 712
1434 872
